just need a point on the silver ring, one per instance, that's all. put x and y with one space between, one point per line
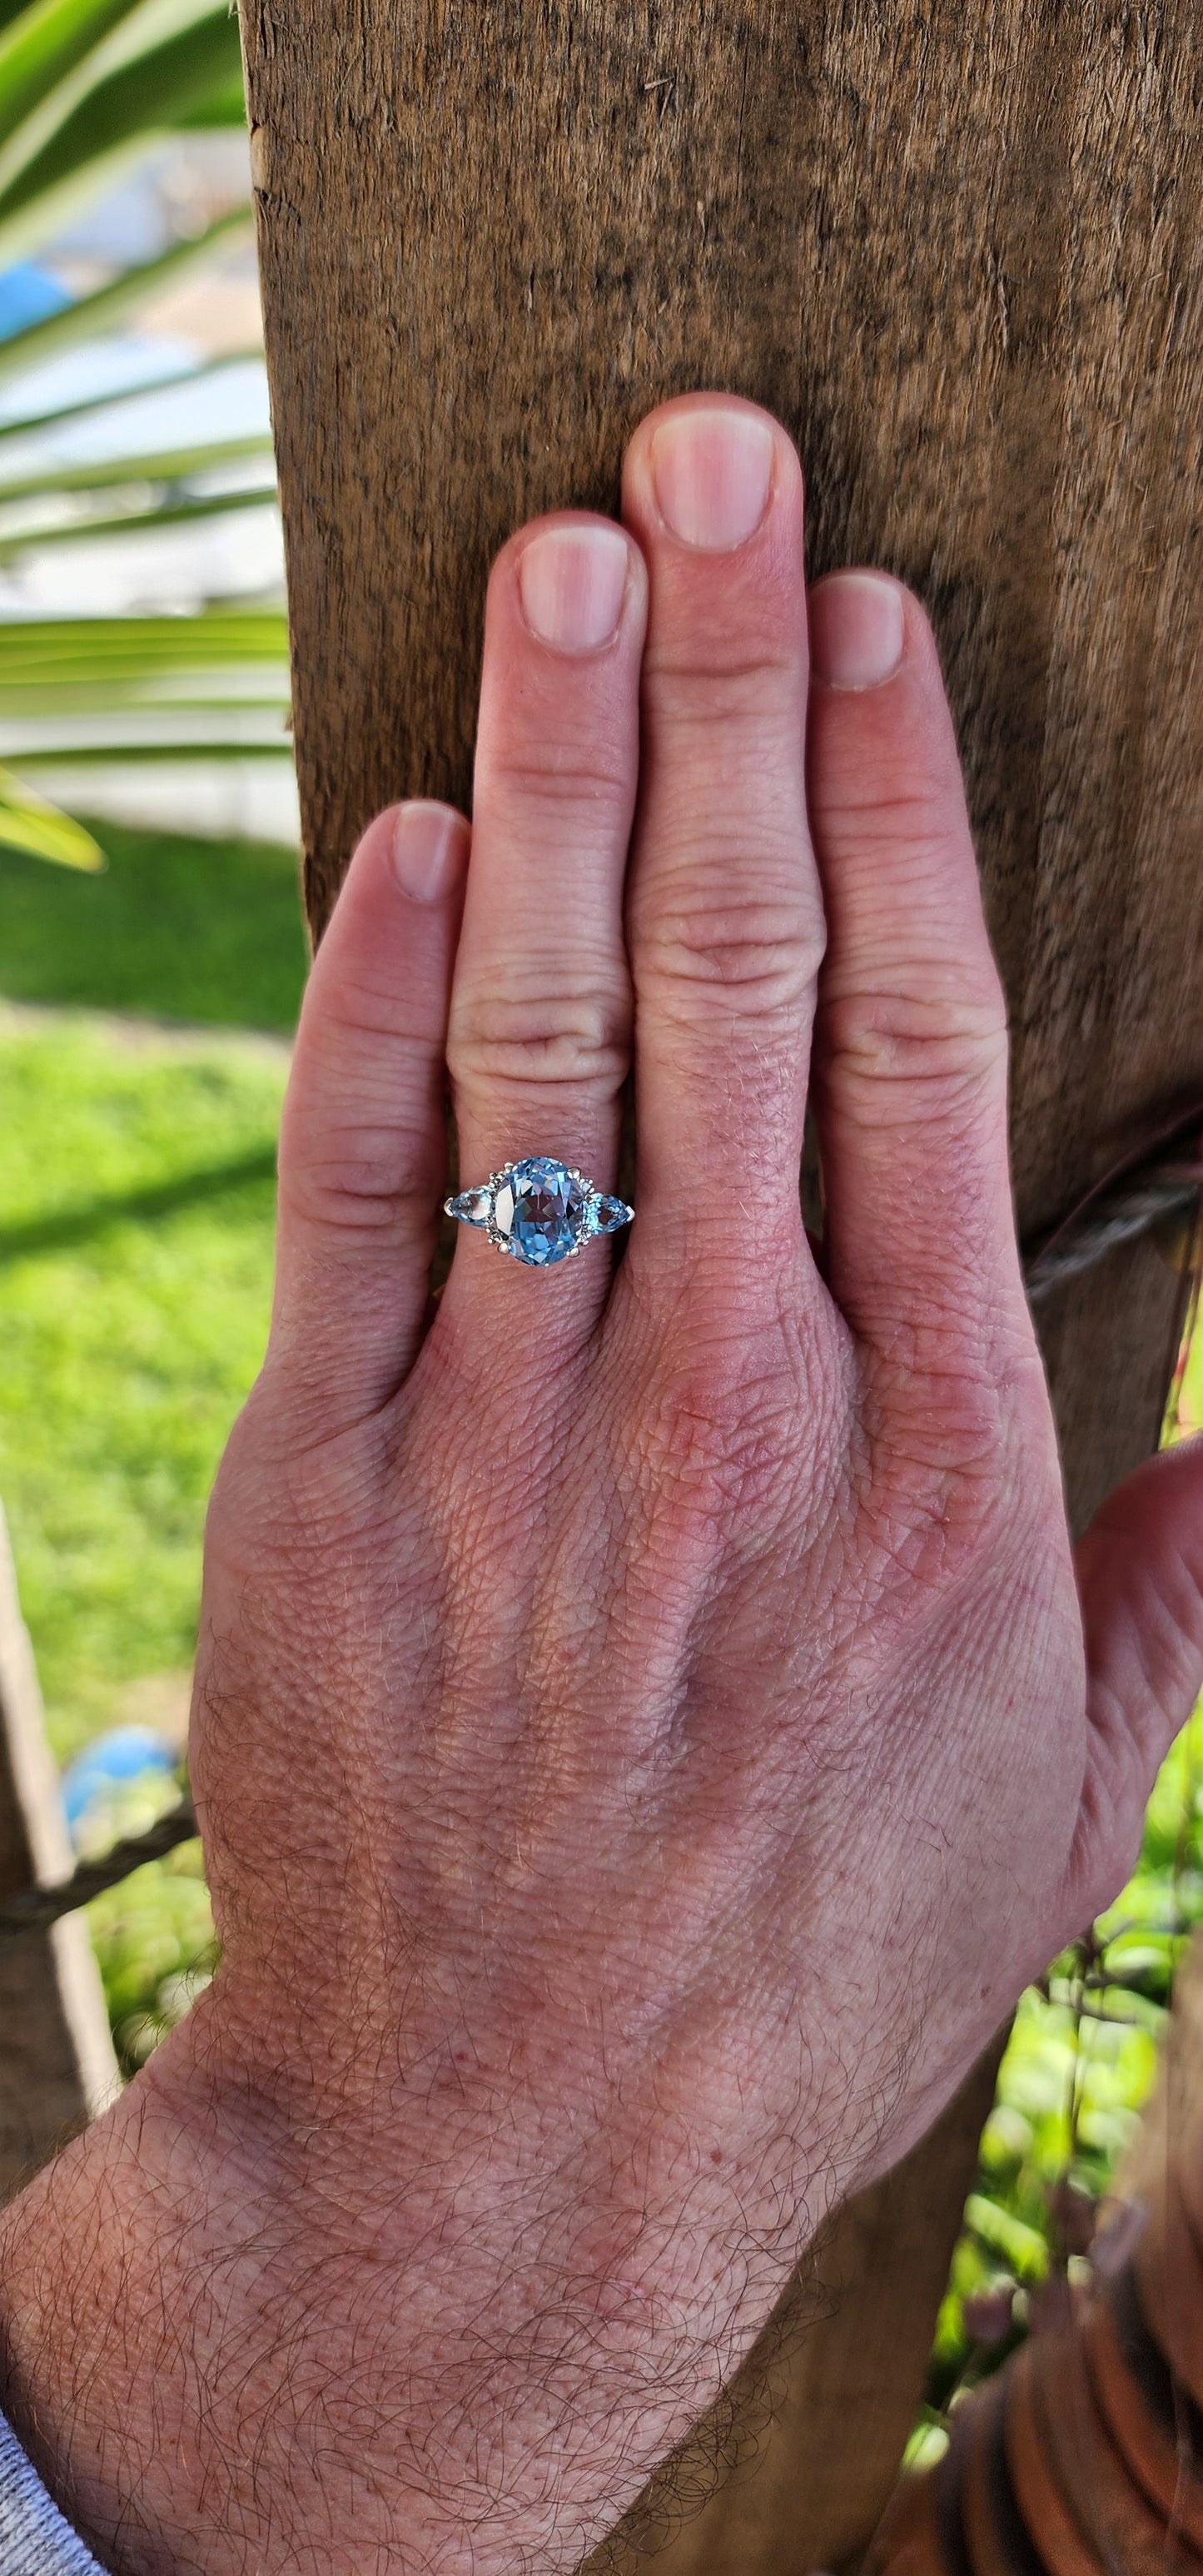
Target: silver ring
540 1211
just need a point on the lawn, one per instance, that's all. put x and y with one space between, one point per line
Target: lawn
136 1239
127 1339
176 928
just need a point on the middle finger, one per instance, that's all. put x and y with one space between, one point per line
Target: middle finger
540 1026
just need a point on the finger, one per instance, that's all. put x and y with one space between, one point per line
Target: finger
539 1038
724 914
363 1148
1140 1577
910 1059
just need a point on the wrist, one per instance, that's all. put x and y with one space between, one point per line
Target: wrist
237 2330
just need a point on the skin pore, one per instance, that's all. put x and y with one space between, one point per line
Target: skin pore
647 1727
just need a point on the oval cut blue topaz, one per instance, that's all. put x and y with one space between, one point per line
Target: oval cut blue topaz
541 1210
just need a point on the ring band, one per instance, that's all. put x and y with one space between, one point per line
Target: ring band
539 1211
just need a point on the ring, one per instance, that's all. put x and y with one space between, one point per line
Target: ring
539 1210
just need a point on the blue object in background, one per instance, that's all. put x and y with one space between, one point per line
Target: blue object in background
28 294
122 1755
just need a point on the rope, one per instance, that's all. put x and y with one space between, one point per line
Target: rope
1164 1190
1150 1186
38 1907
1161 1179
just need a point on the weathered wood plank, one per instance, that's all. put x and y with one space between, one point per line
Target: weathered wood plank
958 251
57 2067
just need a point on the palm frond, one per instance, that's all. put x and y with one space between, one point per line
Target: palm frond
29 822
96 313
172 63
43 44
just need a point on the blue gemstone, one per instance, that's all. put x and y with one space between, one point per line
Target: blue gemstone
471 1207
610 1213
540 1210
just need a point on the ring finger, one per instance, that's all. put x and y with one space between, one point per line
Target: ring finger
540 1027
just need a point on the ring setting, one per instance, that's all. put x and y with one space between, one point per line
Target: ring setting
540 1211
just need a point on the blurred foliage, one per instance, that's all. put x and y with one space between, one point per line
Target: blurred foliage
128 1337
1078 2067
84 83
85 87
153 1937
133 1306
153 1934
29 823
133 1302
178 928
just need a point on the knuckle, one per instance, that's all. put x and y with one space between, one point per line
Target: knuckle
571 1039
722 686
550 774
952 1046
959 1471
762 952
367 1185
710 1439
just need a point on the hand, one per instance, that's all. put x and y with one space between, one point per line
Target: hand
644 1734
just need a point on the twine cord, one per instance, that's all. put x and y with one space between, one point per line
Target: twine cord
36 1908
1160 1181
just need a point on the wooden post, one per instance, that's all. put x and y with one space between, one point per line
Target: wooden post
57 2067
957 248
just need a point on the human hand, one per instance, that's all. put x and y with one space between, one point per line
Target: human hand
644 1734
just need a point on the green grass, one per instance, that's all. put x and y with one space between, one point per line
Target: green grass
175 928
136 1242
126 1349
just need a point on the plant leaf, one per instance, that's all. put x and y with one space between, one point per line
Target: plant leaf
94 313
145 96
275 747
31 823
25 426
226 107
37 653
166 465
169 514
43 44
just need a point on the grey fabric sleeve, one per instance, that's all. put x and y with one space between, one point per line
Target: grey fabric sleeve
34 2539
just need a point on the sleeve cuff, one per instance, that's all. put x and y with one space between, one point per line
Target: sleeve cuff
34 2538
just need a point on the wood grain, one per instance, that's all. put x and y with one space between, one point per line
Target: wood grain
957 250
56 2057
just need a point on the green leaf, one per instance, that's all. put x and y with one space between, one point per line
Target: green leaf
179 376
274 747
43 44
29 822
95 313
145 96
170 514
1021 2246
164 465
68 652
226 107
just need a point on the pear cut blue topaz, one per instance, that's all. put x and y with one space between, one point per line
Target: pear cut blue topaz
540 1211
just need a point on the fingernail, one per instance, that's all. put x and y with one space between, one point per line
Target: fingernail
856 630
428 851
712 471
572 581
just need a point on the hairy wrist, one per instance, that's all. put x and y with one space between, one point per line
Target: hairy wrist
236 2329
